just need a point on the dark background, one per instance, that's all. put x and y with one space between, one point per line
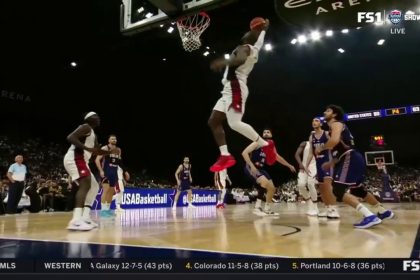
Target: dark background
159 109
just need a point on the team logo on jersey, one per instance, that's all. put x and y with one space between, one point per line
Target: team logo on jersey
395 16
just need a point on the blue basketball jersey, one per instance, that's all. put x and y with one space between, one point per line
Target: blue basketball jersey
346 143
111 162
258 158
184 175
320 142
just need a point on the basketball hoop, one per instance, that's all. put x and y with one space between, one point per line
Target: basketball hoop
190 29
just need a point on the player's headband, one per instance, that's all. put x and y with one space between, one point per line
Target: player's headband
90 114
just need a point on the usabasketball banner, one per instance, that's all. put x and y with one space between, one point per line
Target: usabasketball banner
135 198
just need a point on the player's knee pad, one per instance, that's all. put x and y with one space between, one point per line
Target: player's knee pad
339 190
359 191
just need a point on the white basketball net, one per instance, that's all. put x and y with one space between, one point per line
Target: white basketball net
190 29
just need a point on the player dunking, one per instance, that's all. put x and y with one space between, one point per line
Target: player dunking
108 167
254 168
183 180
318 139
349 169
220 179
83 145
306 179
231 105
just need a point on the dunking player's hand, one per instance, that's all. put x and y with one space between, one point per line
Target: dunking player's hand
266 24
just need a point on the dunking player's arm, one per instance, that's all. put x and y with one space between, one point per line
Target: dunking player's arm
235 60
242 52
80 132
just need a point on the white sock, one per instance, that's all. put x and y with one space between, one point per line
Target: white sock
363 210
258 203
86 213
378 208
224 150
77 213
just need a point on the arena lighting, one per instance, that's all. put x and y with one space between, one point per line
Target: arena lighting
341 50
345 31
359 27
293 42
268 47
73 64
140 10
149 15
315 35
381 42
206 53
161 25
227 56
170 29
164 59
329 33
302 39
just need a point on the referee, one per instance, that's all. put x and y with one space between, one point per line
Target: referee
16 174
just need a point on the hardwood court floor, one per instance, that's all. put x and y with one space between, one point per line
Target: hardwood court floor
233 230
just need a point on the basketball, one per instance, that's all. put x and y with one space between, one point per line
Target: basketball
257 23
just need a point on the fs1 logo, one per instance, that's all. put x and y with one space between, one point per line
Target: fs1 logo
369 17
411 265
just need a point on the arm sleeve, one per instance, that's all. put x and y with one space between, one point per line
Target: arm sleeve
260 40
11 168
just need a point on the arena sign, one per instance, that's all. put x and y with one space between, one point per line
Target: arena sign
335 13
135 198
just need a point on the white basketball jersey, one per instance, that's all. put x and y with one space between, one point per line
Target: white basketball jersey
89 142
243 71
306 155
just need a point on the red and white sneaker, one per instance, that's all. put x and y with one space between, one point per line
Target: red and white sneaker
222 163
220 206
270 152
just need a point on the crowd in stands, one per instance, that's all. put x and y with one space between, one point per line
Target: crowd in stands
49 181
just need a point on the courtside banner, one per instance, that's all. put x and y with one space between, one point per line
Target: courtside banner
135 198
